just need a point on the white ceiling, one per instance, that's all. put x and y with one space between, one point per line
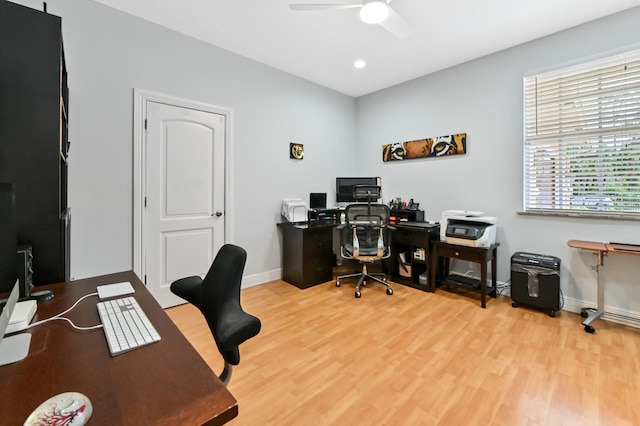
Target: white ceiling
322 46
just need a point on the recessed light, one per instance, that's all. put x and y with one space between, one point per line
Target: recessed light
359 64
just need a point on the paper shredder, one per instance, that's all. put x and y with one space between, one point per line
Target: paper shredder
535 281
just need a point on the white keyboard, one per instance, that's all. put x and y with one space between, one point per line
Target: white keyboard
126 326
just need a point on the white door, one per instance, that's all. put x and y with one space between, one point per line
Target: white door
184 197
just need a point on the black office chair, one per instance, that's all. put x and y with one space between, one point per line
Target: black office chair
365 236
218 298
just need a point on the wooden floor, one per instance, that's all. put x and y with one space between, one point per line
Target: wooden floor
324 357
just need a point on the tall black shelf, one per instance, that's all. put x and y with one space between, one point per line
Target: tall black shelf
34 109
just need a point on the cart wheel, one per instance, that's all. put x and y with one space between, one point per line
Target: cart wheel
552 313
514 304
337 283
589 329
389 291
584 313
358 294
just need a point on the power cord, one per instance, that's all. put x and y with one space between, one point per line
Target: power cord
60 317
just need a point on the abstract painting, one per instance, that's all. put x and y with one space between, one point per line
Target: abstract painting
422 148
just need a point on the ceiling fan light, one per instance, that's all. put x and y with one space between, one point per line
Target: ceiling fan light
374 12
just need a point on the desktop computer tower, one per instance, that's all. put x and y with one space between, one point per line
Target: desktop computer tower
535 281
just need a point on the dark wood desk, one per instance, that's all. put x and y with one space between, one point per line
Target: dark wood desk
480 255
165 383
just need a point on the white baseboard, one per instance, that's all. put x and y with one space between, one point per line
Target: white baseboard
261 278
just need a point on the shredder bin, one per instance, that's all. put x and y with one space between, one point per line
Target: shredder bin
535 281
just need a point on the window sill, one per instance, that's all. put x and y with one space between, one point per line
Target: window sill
585 215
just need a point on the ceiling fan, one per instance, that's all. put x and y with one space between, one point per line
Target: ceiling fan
371 12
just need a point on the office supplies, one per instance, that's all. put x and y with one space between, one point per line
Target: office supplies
468 228
294 210
12 348
156 371
114 290
126 326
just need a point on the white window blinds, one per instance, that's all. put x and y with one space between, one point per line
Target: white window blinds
582 138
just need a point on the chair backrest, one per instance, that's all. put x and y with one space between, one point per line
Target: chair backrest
220 296
365 235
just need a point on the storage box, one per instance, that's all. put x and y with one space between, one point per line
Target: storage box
405 270
423 279
404 266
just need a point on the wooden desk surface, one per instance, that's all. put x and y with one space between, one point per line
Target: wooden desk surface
587 245
605 247
165 383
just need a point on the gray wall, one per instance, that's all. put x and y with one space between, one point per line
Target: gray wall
110 53
483 98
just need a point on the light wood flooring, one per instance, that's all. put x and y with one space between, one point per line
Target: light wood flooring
324 357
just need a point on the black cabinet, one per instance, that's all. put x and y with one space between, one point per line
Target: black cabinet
307 254
413 243
34 134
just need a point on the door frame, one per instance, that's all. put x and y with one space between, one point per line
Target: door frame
140 99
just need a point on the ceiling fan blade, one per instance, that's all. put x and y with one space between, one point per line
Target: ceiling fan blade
396 25
325 6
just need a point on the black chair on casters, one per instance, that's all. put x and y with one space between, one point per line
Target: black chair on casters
218 298
365 235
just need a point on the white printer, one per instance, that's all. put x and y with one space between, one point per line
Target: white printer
468 228
294 210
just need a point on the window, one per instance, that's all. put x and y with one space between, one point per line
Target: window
582 139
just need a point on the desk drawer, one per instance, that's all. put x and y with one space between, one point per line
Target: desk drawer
317 243
461 252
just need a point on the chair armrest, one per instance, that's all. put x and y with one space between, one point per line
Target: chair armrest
188 288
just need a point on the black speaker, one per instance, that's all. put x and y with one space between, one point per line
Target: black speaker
535 281
25 269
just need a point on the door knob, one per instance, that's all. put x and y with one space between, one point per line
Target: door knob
218 213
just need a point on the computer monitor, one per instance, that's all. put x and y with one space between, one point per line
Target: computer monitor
318 200
344 187
8 238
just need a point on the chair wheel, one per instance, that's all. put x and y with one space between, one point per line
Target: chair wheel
337 283
389 291
584 313
552 313
358 294
589 329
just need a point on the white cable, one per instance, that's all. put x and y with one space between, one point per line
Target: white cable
93 327
58 316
